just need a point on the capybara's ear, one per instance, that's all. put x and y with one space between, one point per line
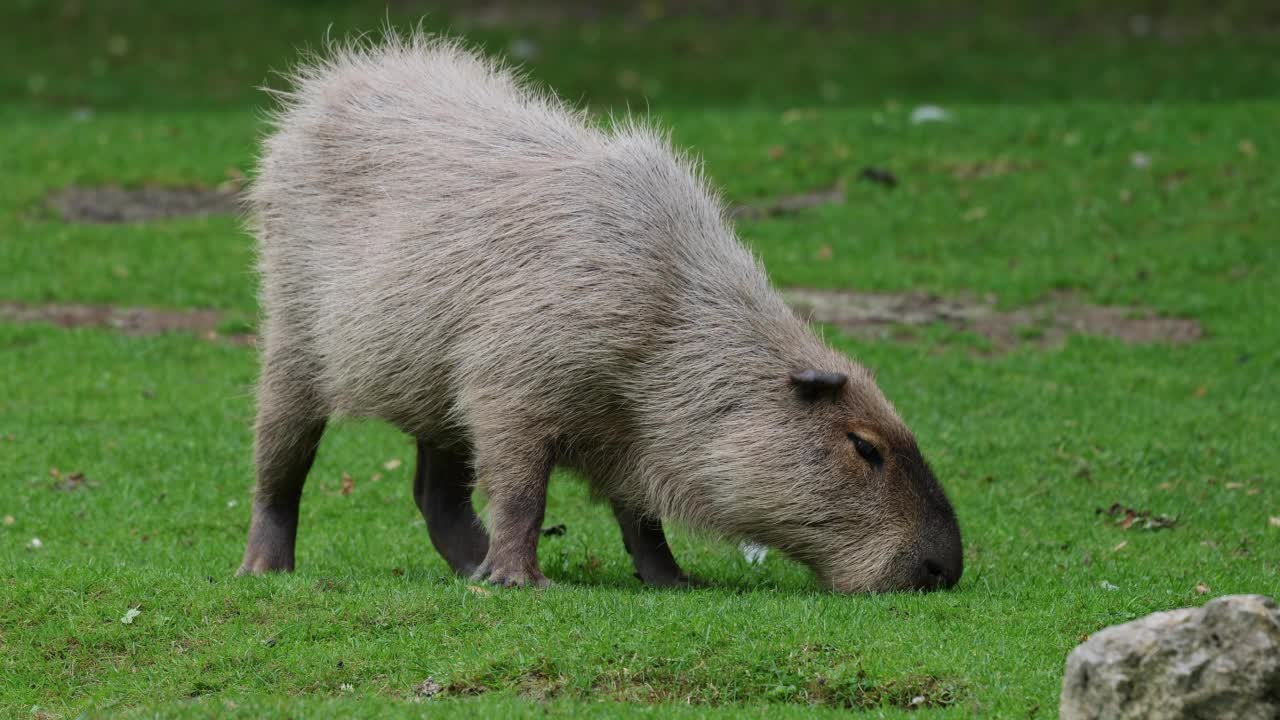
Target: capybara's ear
814 384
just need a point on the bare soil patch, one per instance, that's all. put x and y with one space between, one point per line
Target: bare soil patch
1046 324
788 204
128 320
875 316
817 676
116 204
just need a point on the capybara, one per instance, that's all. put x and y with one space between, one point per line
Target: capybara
447 248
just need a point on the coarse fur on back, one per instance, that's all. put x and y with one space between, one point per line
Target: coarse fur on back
447 248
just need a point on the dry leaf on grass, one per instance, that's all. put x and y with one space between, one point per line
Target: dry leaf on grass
70 481
1201 588
347 484
391 464
427 689
129 616
1127 517
483 592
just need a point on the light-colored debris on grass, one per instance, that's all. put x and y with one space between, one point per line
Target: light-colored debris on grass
929 114
754 553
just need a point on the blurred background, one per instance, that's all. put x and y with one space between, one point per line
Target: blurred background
663 53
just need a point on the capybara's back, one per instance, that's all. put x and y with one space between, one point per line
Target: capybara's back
445 248
425 218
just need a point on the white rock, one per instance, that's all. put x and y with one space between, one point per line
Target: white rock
1218 661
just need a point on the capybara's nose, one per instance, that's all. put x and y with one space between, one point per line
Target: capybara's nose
936 574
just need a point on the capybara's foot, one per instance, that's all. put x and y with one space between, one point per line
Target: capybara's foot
263 557
271 541
670 580
510 574
258 564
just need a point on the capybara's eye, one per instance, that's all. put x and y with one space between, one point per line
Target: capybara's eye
866 449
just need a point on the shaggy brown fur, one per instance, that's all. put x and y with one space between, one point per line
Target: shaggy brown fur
447 249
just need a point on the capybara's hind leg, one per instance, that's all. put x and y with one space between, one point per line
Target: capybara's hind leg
515 478
442 486
647 543
287 434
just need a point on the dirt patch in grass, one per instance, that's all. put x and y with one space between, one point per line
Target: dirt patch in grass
115 204
875 316
1045 324
788 204
815 675
206 324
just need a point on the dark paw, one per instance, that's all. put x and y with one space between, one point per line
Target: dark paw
678 580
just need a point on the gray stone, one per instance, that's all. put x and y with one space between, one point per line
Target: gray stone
1218 661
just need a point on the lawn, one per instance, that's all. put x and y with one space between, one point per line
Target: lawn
1127 161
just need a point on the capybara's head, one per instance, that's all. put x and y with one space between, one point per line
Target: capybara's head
840 485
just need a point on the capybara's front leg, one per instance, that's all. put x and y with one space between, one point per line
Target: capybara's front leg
516 484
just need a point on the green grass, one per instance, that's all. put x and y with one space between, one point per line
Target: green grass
1029 443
